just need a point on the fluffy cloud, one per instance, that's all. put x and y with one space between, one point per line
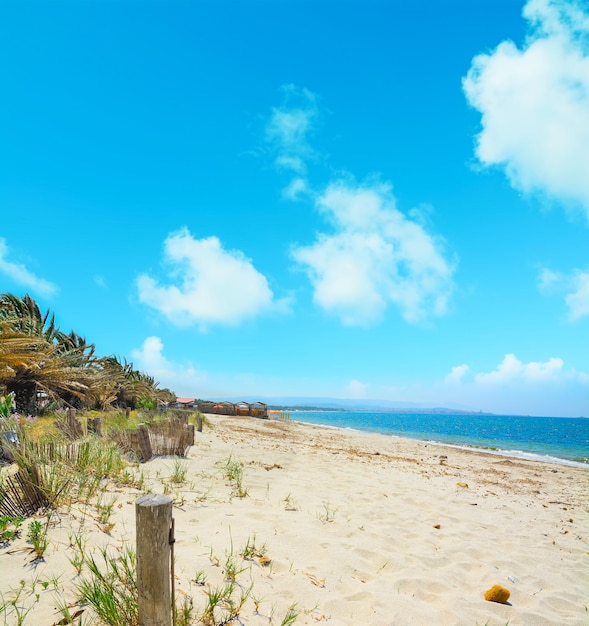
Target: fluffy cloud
516 387
511 369
456 374
181 378
535 105
210 285
21 275
376 256
576 286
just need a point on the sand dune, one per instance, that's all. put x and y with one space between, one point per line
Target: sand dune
354 528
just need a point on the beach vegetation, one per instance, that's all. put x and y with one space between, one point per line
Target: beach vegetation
223 604
110 587
63 608
200 578
58 473
201 496
257 603
233 472
78 543
105 510
178 475
327 513
218 605
15 608
78 476
290 504
232 568
214 559
6 405
37 536
252 551
55 580
183 614
10 527
129 478
291 616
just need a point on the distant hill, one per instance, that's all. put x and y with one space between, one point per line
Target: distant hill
293 403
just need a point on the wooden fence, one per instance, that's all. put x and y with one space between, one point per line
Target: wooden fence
22 493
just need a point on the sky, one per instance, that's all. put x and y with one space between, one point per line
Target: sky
359 199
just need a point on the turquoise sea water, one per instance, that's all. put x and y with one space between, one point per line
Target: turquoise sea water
555 439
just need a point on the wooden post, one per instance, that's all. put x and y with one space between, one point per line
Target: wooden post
153 516
127 412
190 429
95 425
199 427
144 443
182 417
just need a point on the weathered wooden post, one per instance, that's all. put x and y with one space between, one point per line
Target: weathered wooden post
94 425
153 514
190 429
199 426
144 443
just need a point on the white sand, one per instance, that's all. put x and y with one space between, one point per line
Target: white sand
348 522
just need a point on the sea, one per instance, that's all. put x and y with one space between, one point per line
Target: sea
561 440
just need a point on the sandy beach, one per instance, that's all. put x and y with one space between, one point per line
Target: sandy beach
342 528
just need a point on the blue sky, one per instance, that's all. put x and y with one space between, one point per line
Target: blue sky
343 199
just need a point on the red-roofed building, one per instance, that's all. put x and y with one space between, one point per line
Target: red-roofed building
185 403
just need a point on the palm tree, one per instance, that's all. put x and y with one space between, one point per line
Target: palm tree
126 383
37 359
25 316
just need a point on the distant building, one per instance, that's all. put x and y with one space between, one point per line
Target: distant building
185 403
255 409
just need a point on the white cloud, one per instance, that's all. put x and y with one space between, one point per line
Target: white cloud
21 275
296 188
287 133
183 379
376 257
514 387
578 300
356 389
534 103
456 374
511 369
209 285
548 279
576 284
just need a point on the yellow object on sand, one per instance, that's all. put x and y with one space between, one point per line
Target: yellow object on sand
497 593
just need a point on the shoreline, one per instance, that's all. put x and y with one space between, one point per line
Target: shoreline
515 454
355 528
492 449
